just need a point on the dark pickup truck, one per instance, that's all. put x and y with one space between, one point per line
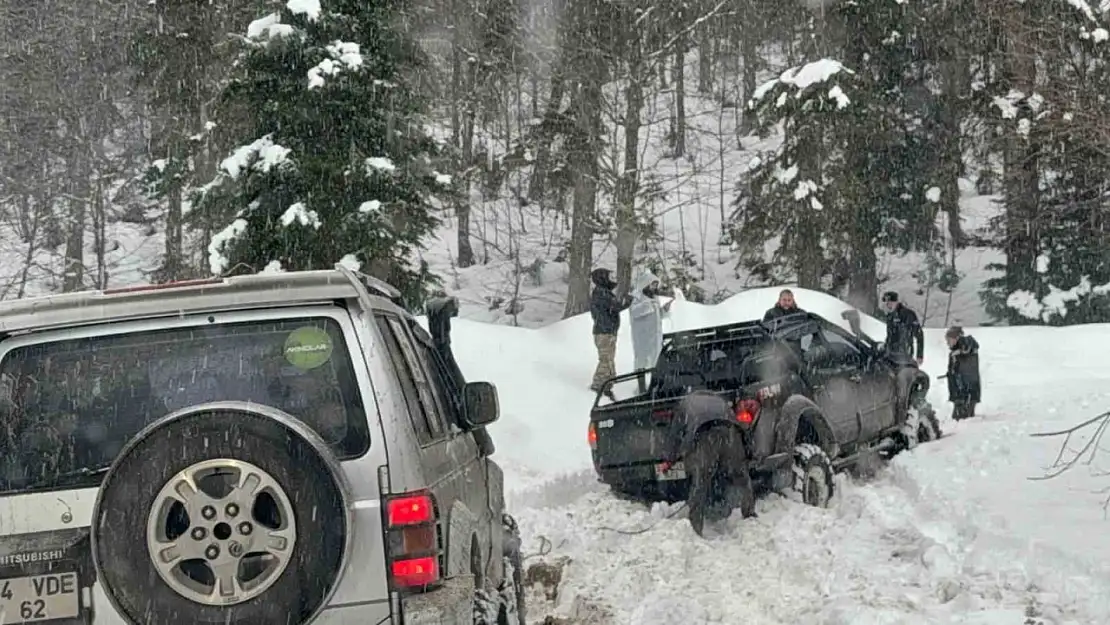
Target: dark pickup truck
850 397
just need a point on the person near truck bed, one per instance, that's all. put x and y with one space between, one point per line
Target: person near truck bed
785 306
903 331
963 373
605 308
646 318
715 459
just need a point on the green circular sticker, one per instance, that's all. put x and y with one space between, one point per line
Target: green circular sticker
308 347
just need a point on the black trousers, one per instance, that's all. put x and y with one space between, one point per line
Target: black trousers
963 409
717 467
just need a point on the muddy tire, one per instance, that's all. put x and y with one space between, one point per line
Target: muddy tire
928 425
501 606
813 475
226 513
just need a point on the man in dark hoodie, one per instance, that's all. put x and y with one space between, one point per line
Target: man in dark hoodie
903 331
963 373
605 308
785 306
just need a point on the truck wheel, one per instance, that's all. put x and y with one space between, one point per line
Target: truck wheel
241 514
506 605
813 475
928 426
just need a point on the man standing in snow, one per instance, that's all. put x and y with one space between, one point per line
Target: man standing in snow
903 330
646 314
963 373
785 306
605 308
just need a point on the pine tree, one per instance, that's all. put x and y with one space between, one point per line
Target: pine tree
1059 126
338 165
852 174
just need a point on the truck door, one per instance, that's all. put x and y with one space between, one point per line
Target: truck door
835 386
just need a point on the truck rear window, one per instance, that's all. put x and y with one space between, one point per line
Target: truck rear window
67 406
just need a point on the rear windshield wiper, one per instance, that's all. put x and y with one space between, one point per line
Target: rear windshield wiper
68 476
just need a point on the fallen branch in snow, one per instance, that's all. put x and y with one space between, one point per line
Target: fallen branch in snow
1069 457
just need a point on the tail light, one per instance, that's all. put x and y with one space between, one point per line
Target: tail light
591 435
412 540
747 411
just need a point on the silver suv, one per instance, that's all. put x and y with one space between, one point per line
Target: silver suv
261 450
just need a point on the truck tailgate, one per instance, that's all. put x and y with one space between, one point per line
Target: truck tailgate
632 434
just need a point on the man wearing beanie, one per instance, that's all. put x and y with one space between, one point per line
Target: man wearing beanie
903 330
964 389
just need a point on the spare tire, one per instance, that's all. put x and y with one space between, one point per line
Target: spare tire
227 513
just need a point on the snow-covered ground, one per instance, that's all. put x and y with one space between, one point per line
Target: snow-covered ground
954 532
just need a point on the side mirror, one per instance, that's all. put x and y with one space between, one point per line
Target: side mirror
480 404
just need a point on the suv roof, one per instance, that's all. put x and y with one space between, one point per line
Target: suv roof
196 296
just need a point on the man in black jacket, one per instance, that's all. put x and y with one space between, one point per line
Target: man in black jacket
785 306
903 330
605 308
964 389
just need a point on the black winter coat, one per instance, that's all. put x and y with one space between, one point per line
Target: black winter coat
903 333
776 311
605 308
963 371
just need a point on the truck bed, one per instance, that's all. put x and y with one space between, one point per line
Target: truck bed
632 432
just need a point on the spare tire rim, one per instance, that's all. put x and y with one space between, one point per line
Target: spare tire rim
817 489
221 532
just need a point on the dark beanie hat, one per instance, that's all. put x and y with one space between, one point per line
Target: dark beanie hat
954 332
890 296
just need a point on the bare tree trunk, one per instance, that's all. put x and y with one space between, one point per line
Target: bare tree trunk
1021 165
462 206
628 185
173 265
748 54
583 150
537 186
705 60
73 275
680 97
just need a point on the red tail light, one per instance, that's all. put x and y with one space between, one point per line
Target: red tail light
412 510
747 411
591 436
412 540
415 572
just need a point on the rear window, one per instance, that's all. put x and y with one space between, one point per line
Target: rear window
70 406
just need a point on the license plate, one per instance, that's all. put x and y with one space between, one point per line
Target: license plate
39 598
676 472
